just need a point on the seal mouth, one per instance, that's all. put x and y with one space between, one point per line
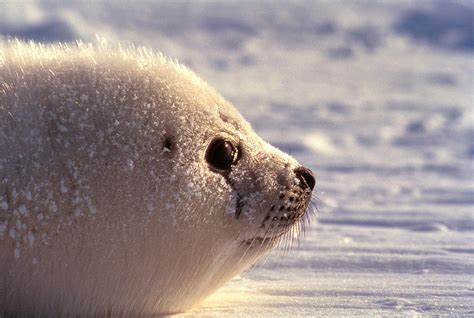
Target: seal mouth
275 232
262 240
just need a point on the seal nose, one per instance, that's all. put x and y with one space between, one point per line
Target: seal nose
306 177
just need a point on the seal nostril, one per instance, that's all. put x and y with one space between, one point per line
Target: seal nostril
306 176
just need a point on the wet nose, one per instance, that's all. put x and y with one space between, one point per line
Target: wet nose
306 177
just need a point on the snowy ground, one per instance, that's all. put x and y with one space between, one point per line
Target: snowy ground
375 97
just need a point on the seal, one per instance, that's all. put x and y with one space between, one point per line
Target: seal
128 186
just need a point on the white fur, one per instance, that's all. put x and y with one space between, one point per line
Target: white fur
96 215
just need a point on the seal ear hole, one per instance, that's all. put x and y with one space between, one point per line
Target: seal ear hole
221 154
168 144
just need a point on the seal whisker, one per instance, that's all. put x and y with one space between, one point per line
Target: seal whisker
265 256
249 245
258 253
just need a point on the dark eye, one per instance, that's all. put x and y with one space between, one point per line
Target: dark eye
221 154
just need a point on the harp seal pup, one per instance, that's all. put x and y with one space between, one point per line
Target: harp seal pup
128 186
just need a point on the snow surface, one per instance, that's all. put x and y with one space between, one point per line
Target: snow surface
375 97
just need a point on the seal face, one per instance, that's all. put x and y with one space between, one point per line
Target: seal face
128 185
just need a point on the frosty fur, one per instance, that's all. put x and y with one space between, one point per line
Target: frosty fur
107 205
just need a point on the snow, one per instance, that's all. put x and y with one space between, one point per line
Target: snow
31 239
12 233
4 205
23 209
375 98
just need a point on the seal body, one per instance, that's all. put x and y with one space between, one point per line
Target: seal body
128 185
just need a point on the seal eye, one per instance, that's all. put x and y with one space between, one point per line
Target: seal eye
221 154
